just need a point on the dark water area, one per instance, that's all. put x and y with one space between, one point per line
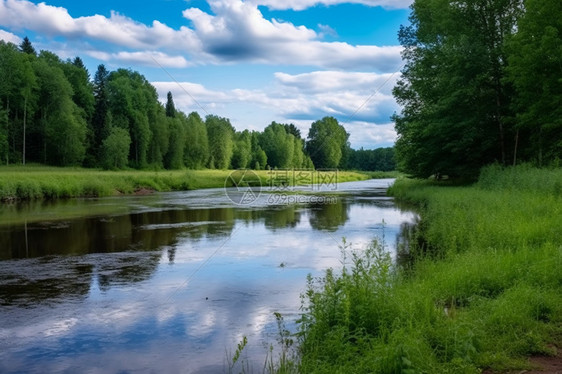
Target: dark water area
170 282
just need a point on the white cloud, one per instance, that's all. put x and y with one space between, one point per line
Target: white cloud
118 29
304 4
236 32
144 58
369 136
327 81
326 30
8 37
347 95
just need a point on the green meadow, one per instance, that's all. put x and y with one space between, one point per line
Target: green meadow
478 287
42 182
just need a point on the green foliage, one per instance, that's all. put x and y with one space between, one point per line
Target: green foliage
327 143
242 153
101 117
115 149
27 47
455 115
535 68
134 104
481 291
221 140
196 154
170 106
381 159
41 182
481 85
4 148
259 157
278 145
175 156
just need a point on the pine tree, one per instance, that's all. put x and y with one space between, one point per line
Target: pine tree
27 47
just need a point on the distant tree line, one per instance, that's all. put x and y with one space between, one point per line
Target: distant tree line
52 112
482 83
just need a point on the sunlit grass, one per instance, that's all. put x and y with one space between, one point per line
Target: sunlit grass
35 182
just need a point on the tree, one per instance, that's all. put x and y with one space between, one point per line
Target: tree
59 134
115 149
259 157
27 88
27 47
134 105
221 145
100 126
456 105
535 69
196 153
242 153
327 143
175 156
292 129
278 145
4 147
170 106
11 78
380 159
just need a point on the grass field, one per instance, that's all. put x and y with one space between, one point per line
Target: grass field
41 182
482 290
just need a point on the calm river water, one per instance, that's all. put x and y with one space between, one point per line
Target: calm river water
169 282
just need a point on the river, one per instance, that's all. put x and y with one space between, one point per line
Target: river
170 282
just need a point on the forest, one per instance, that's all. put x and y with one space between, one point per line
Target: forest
53 113
481 84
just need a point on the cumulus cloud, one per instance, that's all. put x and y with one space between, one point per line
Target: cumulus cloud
236 32
370 136
328 81
143 58
8 37
347 95
118 29
189 96
304 4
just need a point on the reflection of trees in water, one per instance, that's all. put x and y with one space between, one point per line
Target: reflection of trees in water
133 240
26 283
142 232
125 269
410 243
286 217
329 217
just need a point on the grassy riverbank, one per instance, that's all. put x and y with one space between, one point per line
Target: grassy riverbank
41 182
482 289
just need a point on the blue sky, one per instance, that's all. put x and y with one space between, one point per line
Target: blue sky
253 61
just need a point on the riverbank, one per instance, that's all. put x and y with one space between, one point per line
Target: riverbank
49 183
477 288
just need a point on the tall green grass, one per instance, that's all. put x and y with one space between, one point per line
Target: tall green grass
34 182
484 291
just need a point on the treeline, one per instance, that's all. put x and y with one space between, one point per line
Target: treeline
51 112
481 84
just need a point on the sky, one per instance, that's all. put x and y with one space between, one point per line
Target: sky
252 61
